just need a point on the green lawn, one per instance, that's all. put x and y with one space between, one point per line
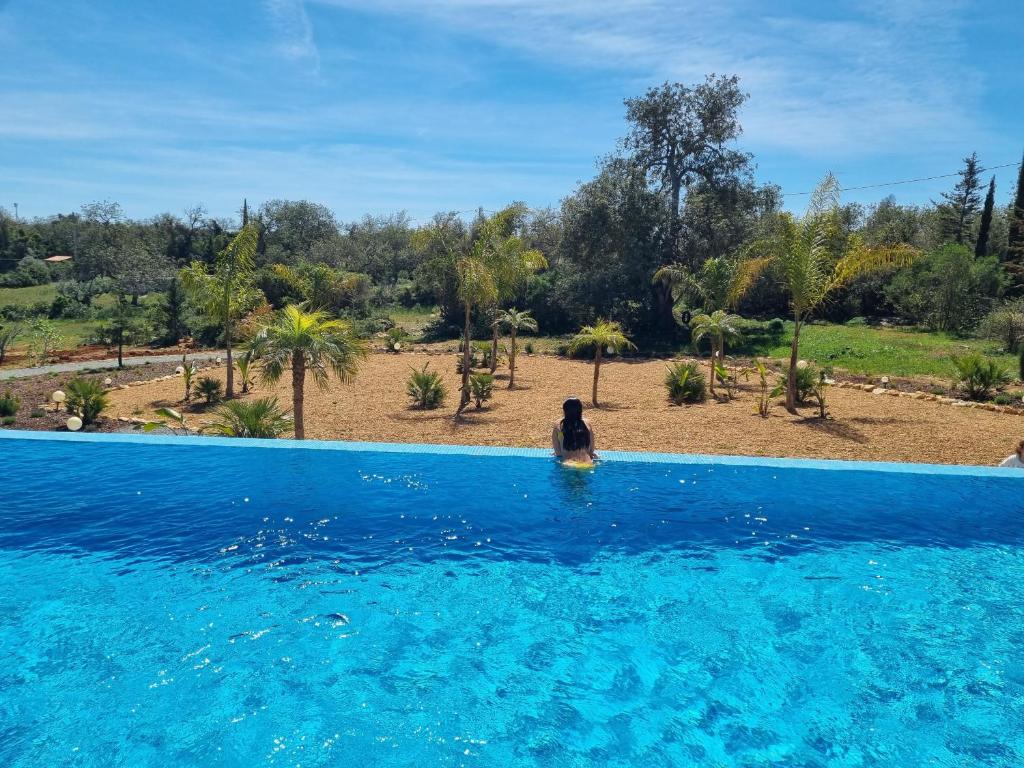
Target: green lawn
23 297
871 350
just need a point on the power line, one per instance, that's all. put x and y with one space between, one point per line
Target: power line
904 181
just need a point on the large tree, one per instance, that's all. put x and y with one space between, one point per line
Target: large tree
1015 235
960 207
681 135
981 245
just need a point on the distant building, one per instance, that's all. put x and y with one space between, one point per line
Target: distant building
57 259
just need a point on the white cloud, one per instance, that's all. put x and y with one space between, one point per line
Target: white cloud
294 30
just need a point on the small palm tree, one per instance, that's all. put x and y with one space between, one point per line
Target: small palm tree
603 336
307 341
515 321
719 327
815 257
262 417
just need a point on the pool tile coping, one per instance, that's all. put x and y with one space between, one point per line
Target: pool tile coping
502 451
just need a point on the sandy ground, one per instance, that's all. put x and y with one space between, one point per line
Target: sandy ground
634 415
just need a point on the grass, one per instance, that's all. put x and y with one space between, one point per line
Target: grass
869 350
25 297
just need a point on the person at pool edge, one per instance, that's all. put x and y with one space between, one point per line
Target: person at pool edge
1015 459
573 438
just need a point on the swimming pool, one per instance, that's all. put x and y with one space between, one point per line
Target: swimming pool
187 602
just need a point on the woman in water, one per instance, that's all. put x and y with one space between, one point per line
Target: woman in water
572 438
1015 459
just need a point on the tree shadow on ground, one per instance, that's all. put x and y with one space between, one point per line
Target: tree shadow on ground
846 429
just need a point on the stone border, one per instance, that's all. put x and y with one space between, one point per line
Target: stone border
942 399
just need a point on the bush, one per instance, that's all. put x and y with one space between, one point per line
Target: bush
685 383
37 413
806 382
210 389
394 338
9 404
481 387
528 347
87 399
426 388
977 376
1005 324
775 325
1005 399
262 417
7 421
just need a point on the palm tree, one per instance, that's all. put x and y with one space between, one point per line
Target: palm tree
602 335
815 258
493 267
716 285
515 321
261 417
719 327
228 292
307 341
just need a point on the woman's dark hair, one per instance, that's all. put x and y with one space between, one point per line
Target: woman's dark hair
575 435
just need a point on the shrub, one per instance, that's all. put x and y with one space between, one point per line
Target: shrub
43 339
775 325
87 399
1005 324
766 392
857 321
685 383
426 388
37 413
1004 399
528 347
262 417
8 334
806 382
977 376
7 420
481 387
210 389
394 338
9 404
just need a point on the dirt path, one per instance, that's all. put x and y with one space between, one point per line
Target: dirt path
106 364
635 415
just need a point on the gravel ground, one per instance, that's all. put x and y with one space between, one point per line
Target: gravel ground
34 394
634 415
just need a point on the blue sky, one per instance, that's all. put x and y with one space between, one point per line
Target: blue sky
375 106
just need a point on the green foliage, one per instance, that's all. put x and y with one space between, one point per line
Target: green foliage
528 347
1005 324
87 399
37 413
210 389
685 383
244 364
43 339
806 381
9 404
8 335
188 374
766 392
426 388
261 418
948 289
395 337
481 386
169 418
7 421
977 376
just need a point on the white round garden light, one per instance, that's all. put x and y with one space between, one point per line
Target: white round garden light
801 364
74 424
107 381
610 349
178 371
58 397
218 361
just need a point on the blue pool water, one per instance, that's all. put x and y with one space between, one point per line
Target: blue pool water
171 602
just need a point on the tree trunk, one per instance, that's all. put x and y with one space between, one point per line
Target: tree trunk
494 351
464 392
299 394
512 359
711 381
229 390
120 351
597 372
794 354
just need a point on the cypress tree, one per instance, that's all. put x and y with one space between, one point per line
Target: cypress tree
245 212
981 246
1015 251
961 205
